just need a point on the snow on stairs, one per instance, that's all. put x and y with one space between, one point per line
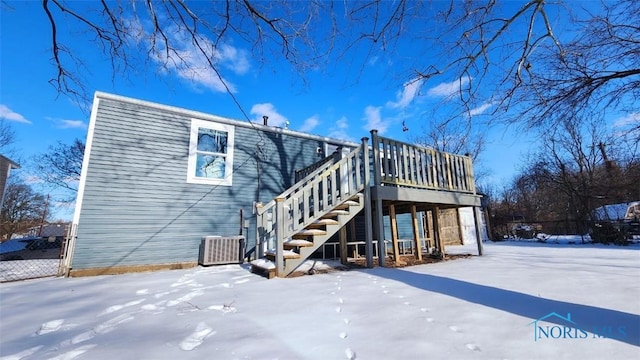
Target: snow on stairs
310 238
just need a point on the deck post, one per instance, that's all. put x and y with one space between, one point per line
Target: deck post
368 226
476 219
377 173
394 233
416 232
436 231
343 245
259 233
279 238
377 180
382 251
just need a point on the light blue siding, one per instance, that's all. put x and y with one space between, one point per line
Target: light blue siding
137 207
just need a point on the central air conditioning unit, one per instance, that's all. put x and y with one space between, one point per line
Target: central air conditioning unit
217 250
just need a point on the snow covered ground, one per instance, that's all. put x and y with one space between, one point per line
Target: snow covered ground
523 300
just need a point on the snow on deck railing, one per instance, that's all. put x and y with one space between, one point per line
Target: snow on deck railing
402 164
309 199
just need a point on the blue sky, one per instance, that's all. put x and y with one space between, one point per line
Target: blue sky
334 103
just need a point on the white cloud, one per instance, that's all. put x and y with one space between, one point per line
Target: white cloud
192 63
72 124
310 124
275 118
448 89
480 109
339 130
406 96
8 114
374 119
632 119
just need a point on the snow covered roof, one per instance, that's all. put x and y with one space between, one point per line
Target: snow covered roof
617 211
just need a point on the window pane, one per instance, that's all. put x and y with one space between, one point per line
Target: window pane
210 140
209 166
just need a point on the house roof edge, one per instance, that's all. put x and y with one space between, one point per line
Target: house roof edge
211 117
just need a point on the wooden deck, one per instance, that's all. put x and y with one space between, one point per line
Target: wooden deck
384 178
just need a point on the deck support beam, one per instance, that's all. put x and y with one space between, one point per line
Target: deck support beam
476 219
343 245
368 225
416 232
436 231
394 233
279 238
382 251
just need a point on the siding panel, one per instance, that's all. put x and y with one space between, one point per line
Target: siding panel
138 208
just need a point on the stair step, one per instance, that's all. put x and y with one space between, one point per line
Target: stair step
264 267
287 254
304 234
346 205
320 223
334 213
294 243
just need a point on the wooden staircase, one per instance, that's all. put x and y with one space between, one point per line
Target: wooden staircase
305 242
299 221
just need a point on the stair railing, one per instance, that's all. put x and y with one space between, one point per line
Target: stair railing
309 199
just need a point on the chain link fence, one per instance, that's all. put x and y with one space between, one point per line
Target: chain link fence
31 257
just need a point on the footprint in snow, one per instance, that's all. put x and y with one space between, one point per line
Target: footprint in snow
115 308
197 337
24 353
159 295
242 281
111 324
185 298
473 347
424 309
142 292
74 353
351 355
50 326
338 309
343 335
429 319
182 282
454 328
347 321
340 301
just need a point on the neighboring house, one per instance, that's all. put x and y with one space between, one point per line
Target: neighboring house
58 230
616 212
6 165
156 179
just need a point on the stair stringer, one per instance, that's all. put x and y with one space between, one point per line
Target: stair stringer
291 265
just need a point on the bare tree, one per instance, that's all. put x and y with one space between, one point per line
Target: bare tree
22 209
533 64
61 165
7 135
189 38
572 172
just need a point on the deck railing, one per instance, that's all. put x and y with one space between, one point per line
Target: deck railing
311 198
402 164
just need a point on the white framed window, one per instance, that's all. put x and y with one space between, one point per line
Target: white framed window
210 153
